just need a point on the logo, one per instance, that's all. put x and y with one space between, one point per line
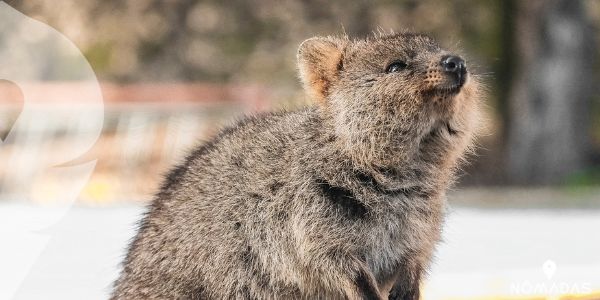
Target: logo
549 287
57 108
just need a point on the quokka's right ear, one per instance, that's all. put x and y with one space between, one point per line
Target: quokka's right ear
319 63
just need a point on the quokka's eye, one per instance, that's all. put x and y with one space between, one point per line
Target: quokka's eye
396 66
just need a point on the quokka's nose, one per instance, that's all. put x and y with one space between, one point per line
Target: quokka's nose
453 64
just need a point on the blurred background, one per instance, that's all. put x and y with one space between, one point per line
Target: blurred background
172 72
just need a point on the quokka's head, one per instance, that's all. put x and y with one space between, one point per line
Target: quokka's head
391 97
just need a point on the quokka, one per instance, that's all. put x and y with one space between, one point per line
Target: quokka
341 200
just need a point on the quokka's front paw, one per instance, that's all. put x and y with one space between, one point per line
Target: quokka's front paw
398 294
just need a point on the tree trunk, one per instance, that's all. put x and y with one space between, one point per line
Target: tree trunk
548 132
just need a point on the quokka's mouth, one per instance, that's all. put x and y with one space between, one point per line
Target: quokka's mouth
454 83
451 89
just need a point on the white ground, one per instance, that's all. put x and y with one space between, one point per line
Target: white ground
486 252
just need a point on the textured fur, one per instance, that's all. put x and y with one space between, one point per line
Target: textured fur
343 200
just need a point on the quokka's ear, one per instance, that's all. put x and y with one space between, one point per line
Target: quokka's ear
319 63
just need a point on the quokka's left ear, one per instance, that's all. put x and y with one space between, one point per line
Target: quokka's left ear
319 63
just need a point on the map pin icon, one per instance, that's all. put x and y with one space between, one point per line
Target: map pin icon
549 268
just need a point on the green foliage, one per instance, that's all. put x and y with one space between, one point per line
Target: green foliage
99 56
586 178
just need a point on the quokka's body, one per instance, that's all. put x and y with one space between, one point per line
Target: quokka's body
343 200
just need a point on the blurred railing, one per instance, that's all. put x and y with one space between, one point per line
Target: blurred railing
147 127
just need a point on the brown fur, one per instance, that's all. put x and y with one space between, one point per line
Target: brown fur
344 200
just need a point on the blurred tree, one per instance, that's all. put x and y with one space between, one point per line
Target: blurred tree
549 104
239 40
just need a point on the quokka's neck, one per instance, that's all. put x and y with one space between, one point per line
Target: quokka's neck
404 165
